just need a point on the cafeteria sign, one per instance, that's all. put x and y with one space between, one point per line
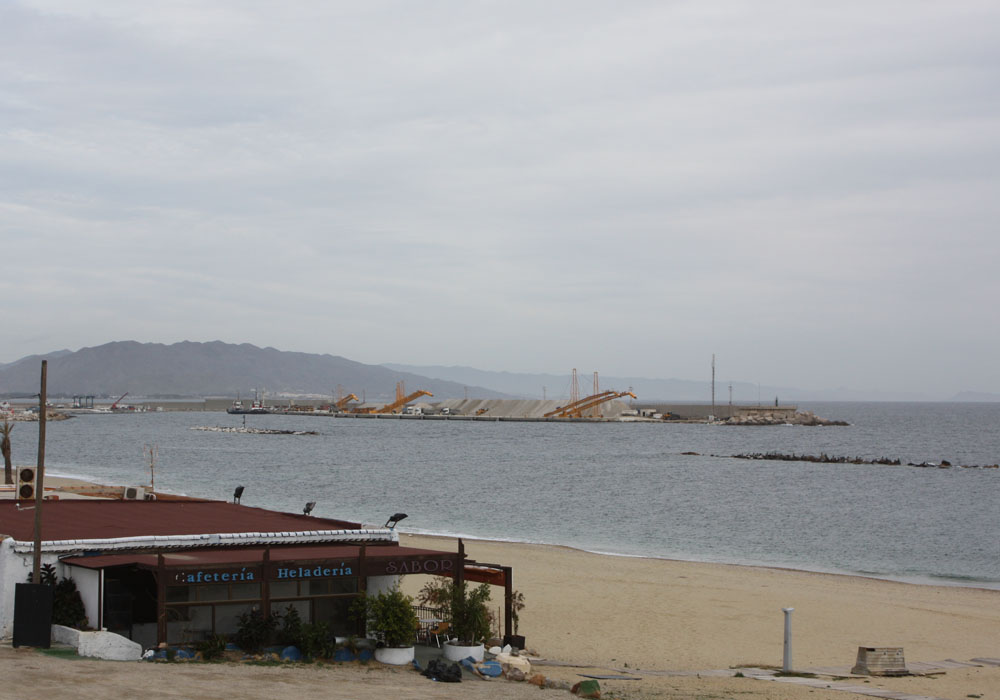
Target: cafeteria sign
233 575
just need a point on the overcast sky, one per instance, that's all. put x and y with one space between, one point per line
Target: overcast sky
809 190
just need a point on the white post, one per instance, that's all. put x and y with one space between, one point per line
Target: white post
786 664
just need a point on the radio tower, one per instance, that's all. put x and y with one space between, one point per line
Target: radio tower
595 412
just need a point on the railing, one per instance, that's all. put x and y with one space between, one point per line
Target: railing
426 614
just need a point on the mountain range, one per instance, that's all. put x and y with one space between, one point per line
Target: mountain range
190 369
648 389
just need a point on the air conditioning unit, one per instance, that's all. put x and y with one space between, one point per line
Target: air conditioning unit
133 493
25 483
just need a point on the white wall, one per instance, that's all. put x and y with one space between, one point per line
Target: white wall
14 569
379 584
88 583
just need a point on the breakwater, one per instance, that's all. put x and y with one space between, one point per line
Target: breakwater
830 459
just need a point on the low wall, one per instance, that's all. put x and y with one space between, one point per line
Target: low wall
98 645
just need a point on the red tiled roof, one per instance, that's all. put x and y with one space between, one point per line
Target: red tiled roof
100 519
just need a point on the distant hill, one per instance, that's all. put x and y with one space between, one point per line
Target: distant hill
557 385
650 389
190 369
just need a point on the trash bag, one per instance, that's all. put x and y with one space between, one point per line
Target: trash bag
437 670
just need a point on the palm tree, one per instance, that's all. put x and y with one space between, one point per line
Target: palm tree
8 471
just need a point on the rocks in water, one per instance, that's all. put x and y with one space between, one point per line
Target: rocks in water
763 417
251 431
824 458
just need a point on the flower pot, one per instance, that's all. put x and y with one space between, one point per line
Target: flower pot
395 656
454 652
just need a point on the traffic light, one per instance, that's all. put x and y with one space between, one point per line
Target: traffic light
26 483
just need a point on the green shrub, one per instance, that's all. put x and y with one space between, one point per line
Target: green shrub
466 608
389 613
291 628
470 616
256 630
212 648
67 605
316 641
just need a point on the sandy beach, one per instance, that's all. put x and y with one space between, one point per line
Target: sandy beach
661 614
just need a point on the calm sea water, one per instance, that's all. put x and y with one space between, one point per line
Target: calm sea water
622 488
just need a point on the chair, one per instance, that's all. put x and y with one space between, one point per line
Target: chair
437 632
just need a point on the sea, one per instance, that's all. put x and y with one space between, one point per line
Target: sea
626 489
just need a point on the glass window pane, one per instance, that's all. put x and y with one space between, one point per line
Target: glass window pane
303 606
213 592
344 585
320 587
179 594
333 611
227 617
189 624
244 591
284 589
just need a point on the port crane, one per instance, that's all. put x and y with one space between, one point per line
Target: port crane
114 406
399 402
341 403
576 409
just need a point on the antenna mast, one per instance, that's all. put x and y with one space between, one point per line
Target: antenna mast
596 412
713 385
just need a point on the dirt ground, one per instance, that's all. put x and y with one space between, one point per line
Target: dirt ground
30 674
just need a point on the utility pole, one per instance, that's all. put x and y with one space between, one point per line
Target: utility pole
151 451
36 571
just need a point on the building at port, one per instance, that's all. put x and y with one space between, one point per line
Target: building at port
179 571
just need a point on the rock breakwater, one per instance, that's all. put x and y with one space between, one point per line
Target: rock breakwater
824 458
252 431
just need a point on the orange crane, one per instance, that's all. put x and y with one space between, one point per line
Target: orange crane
564 411
341 403
114 406
576 409
390 407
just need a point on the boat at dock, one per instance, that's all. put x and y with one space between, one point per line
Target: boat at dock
256 407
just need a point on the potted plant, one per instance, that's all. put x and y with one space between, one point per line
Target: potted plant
390 614
470 621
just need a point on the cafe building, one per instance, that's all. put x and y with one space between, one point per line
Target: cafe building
178 571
